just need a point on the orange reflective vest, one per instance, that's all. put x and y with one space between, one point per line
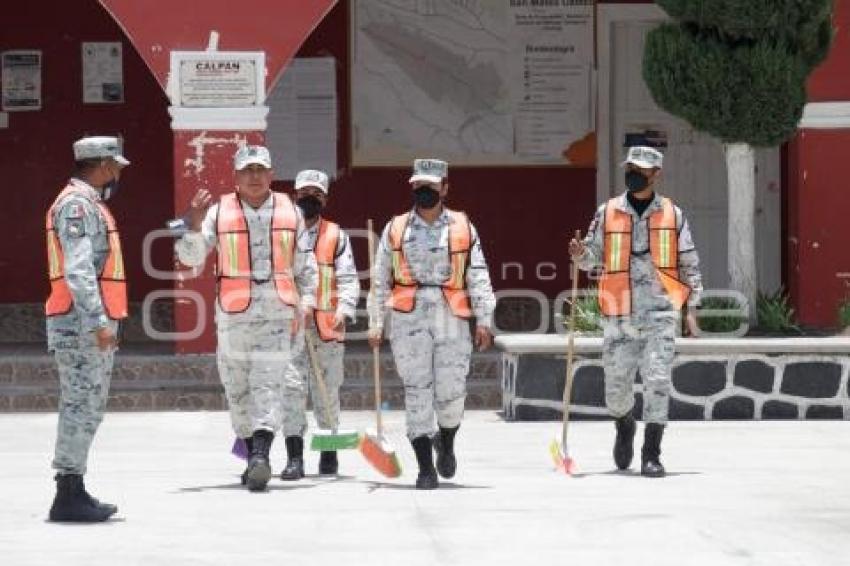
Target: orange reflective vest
615 294
233 268
403 298
111 280
327 241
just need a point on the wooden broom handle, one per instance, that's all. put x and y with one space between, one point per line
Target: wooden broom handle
568 382
376 361
317 371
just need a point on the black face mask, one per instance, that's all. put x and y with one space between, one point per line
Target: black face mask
110 189
636 182
311 206
426 198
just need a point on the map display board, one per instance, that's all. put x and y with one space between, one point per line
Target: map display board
477 82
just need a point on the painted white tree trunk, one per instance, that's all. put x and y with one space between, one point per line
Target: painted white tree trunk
741 171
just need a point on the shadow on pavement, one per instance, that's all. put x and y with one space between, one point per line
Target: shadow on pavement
376 485
632 474
81 524
273 486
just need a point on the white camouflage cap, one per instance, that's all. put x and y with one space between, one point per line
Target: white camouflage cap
252 154
429 170
98 147
312 178
644 157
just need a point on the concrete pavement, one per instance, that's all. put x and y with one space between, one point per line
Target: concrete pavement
748 493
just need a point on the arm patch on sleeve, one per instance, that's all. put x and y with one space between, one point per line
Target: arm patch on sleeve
75 210
75 227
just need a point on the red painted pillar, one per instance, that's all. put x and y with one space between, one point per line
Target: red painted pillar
818 200
819 260
203 159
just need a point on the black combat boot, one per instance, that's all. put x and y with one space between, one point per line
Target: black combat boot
650 463
427 478
444 446
107 507
294 469
624 449
73 504
259 470
328 464
249 442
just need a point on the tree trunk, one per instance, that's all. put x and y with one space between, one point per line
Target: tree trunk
741 171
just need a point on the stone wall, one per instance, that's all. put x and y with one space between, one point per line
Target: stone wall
706 385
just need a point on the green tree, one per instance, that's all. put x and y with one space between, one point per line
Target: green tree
737 70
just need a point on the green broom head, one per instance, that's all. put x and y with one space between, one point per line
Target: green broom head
331 440
380 454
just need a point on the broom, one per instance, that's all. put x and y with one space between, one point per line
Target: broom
559 451
240 449
327 440
375 447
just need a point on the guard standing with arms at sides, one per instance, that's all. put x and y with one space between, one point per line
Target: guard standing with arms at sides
265 291
650 270
88 298
430 270
336 300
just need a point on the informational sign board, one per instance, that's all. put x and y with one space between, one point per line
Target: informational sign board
495 82
217 79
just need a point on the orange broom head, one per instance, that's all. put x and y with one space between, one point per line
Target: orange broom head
563 462
379 452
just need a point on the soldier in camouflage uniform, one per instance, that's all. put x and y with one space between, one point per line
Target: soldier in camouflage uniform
337 296
645 282
87 299
430 269
266 289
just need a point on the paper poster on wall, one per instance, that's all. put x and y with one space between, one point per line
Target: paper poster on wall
21 80
103 75
302 121
552 62
496 82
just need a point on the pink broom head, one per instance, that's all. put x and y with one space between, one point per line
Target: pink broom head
563 462
380 454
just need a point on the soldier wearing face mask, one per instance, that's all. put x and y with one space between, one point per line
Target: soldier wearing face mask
336 300
88 297
642 243
430 272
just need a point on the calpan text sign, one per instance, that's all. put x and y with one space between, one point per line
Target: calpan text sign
218 79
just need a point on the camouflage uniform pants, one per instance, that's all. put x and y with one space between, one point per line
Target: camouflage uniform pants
329 357
252 357
84 376
432 349
645 343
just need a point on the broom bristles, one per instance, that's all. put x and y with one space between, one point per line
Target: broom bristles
561 458
327 440
380 454
240 449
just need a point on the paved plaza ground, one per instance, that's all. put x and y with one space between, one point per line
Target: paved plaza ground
738 493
